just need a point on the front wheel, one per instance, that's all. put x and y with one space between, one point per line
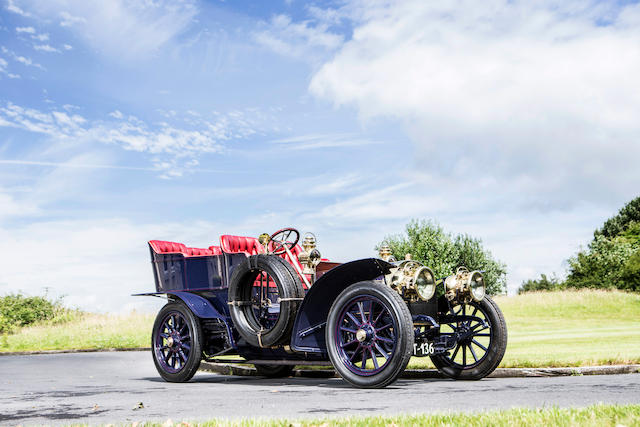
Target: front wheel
483 341
369 335
176 343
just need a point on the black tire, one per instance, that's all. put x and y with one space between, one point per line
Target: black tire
274 371
188 333
490 360
290 291
386 306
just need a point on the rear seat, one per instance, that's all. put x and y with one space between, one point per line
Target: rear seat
164 247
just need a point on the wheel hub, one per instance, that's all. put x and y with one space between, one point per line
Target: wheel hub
170 342
365 333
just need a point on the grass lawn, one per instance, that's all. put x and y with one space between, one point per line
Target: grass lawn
598 415
87 331
546 329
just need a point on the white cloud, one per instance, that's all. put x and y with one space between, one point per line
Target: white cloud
41 37
68 20
306 40
46 48
67 47
11 7
118 28
28 30
535 98
175 146
116 114
317 141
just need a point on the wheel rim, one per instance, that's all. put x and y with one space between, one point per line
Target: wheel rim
172 344
472 350
366 335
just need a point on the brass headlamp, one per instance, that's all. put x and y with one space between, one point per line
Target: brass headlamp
413 280
309 257
465 285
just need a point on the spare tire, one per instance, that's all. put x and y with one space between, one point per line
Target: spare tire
264 315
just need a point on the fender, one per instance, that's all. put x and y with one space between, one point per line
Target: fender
308 329
200 306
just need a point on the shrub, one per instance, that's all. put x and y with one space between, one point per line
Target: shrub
17 310
543 284
428 243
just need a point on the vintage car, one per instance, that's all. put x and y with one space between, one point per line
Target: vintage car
273 303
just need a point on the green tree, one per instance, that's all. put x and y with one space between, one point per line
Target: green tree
543 284
443 252
615 225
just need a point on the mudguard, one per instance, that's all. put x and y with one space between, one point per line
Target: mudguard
309 328
198 305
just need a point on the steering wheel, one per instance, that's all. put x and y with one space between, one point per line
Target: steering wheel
282 238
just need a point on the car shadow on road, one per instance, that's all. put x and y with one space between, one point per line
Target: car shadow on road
256 381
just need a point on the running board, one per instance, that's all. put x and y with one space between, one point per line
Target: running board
273 362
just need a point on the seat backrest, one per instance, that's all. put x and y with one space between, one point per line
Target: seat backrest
198 252
240 244
216 250
164 247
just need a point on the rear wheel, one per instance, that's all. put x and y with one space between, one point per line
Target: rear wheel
176 343
484 341
274 371
369 335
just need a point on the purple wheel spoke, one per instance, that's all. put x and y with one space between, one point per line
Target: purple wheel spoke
385 339
361 310
381 351
353 319
473 353
384 327
343 345
364 359
453 357
464 354
187 346
186 337
353 331
374 358
371 310
481 335
355 352
379 316
165 336
479 345
182 356
167 357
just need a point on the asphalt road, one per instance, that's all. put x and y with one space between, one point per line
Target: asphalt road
101 388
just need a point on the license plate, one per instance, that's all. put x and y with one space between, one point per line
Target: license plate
423 349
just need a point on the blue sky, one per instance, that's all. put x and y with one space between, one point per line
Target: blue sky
122 122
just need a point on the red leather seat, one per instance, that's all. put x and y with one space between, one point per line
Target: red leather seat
240 244
163 247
